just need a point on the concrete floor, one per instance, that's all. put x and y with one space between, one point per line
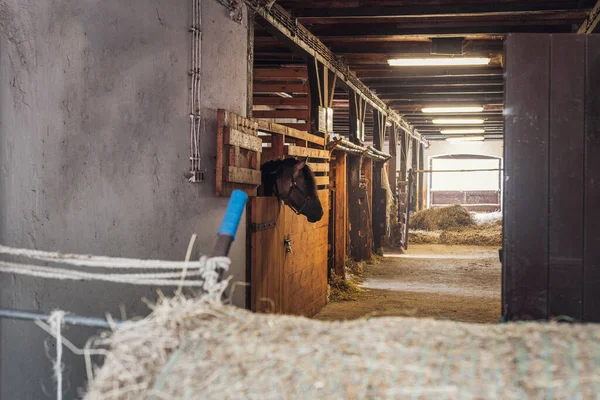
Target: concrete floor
460 283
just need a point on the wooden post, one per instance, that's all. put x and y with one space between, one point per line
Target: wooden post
357 110
250 66
393 164
367 209
341 213
421 181
414 164
321 90
378 193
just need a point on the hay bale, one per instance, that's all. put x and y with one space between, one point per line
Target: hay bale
191 349
443 218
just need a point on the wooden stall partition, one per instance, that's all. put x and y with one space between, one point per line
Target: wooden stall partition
289 258
552 151
238 154
339 244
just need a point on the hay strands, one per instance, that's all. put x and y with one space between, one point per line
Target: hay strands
225 237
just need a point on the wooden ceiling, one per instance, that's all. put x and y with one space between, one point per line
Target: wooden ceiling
366 33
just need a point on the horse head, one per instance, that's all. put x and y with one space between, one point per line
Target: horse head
293 182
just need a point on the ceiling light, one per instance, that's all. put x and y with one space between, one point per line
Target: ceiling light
438 61
465 139
450 110
456 121
461 131
283 94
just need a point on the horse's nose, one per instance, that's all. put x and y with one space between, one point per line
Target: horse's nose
315 213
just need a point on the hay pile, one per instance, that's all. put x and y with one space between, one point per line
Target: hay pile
344 289
455 225
442 218
189 349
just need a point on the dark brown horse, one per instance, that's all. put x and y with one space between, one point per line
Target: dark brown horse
292 181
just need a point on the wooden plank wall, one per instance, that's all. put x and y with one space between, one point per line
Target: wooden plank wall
552 169
288 283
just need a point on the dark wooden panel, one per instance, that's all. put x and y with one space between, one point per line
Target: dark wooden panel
526 191
482 197
565 224
591 269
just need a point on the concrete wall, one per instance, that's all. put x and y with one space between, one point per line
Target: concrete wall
93 151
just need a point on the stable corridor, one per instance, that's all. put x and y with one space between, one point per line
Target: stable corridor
459 283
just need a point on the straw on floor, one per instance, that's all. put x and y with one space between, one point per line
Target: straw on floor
190 349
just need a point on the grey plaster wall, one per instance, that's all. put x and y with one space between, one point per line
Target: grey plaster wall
93 152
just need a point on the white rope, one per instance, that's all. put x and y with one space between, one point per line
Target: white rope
56 321
81 260
207 271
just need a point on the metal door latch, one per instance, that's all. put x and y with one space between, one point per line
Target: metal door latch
287 242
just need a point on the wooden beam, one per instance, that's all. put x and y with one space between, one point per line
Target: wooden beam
280 101
357 9
234 137
299 114
297 151
243 175
276 88
386 72
280 129
553 17
382 30
591 21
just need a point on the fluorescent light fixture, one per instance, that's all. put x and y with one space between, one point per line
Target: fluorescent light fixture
437 61
284 95
451 110
456 121
461 131
465 139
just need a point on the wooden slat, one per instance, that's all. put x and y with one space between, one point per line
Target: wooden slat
234 137
299 114
565 224
280 101
319 167
275 88
591 268
243 175
298 151
220 149
272 127
526 186
300 126
322 180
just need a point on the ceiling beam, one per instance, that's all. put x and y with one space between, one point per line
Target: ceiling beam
508 18
281 23
328 9
395 30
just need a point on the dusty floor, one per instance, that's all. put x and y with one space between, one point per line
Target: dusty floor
460 283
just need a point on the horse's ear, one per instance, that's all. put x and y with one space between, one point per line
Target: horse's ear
301 163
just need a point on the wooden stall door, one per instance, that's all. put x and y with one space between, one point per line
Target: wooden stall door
552 169
288 282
